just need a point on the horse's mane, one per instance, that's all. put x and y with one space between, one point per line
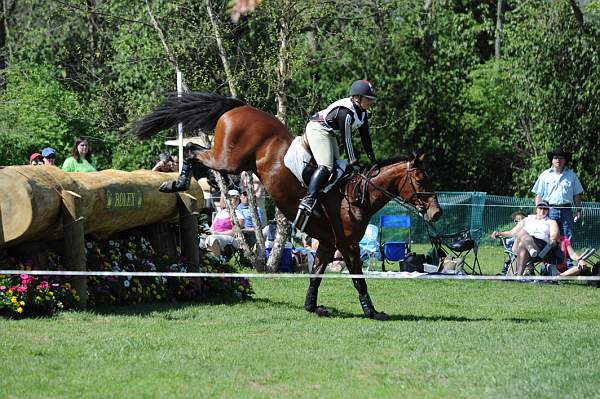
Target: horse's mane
394 160
197 110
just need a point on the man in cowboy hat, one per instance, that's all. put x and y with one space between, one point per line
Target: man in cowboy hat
560 187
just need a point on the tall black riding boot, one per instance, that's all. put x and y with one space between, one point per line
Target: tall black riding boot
317 182
183 181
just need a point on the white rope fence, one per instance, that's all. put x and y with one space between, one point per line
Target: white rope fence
367 275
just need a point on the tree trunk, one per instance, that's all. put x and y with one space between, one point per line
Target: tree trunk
577 12
230 79
282 234
499 24
5 45
260 239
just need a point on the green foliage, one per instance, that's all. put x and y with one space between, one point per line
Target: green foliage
38 112
440 89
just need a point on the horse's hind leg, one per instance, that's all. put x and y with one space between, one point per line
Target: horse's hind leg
197 160
324 255
352 258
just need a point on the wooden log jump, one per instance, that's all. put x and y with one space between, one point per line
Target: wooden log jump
43 203
111 201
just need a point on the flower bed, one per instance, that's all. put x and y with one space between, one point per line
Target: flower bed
26 295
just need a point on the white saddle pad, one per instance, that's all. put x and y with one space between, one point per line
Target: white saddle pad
296 158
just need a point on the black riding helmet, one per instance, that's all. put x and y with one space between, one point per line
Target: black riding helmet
362 88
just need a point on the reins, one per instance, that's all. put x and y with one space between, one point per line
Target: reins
402 202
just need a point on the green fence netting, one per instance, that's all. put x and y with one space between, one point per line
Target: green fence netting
481 214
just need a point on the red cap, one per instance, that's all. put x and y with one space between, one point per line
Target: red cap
34 156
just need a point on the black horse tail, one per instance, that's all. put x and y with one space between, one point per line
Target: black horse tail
196 110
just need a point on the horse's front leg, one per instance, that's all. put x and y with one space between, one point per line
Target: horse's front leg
324 255
352 258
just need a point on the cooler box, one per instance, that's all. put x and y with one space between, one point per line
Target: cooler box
285 265
394 250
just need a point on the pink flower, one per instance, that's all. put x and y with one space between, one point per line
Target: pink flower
26 279
2 287
43 285
22 288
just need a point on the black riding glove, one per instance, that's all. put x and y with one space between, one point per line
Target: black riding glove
356 167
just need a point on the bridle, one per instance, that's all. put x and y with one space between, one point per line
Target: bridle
419 206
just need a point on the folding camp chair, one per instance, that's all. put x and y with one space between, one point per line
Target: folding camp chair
544 264
459 244
393 251
369 247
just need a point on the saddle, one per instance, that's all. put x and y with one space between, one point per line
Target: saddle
299 160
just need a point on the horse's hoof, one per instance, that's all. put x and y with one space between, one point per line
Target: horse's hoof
322 311
167 187
381 316
170 187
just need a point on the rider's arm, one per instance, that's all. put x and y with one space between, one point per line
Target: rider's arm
365 138
344 121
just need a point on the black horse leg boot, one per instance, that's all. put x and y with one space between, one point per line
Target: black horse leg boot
310 302
183 181
367 305
317 182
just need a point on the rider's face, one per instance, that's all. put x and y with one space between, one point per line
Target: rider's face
363 102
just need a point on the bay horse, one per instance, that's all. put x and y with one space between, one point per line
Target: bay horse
247 139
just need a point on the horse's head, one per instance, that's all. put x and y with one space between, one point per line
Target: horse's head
415 188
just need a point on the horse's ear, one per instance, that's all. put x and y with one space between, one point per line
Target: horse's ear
417 155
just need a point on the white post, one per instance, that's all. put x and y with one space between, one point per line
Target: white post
180 124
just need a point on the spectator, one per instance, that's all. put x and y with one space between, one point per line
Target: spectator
81 157
36 159
560 188
567 253
222 226
244 207
175 163
270 232
248 226
49 156
532 234
164 164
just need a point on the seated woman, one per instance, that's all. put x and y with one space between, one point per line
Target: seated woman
222 226
532 234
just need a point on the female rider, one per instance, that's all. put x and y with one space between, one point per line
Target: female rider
337 121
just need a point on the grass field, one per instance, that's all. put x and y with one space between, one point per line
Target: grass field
445 339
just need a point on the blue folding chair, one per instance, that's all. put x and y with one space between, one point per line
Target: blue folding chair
393 251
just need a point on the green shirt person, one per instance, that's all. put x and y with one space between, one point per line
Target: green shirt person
80 159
